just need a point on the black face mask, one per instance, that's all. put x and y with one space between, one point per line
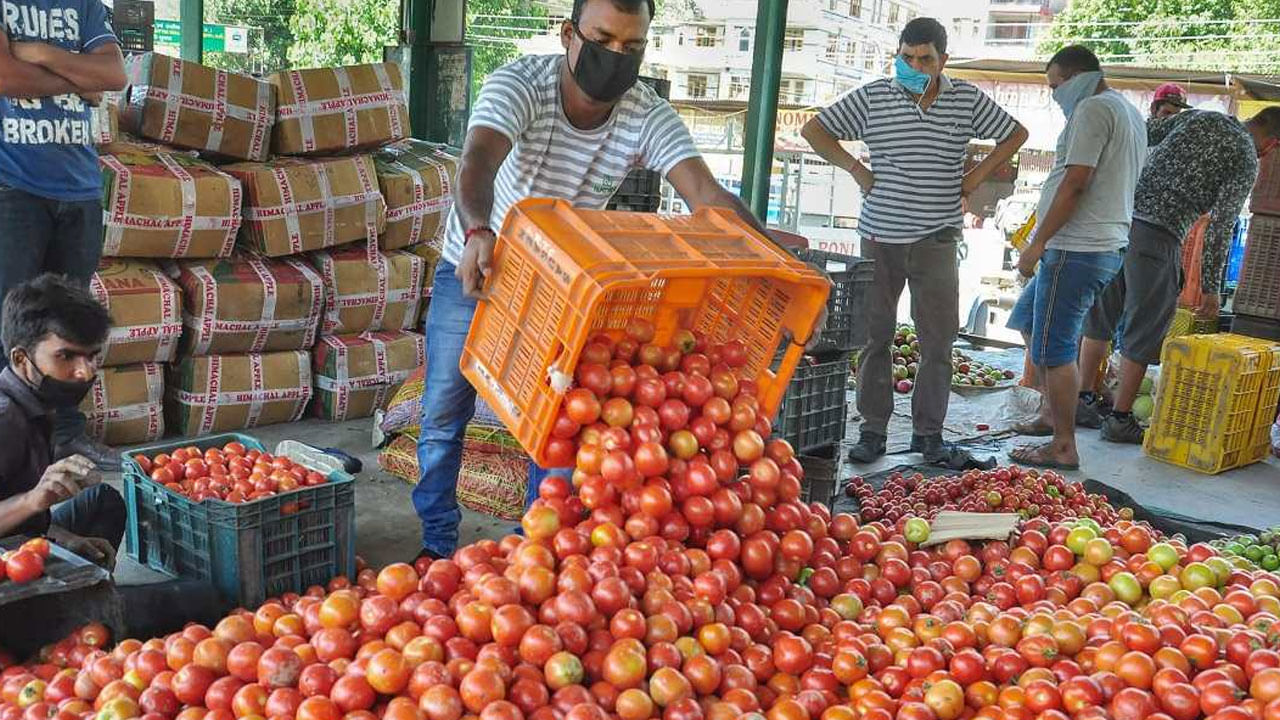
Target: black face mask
605 75
57 393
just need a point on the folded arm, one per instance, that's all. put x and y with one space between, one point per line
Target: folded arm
99 70
25 80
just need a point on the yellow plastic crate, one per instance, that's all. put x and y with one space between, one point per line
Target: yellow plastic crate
1216 396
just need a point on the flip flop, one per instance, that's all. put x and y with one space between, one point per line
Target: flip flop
1031 429
1034 457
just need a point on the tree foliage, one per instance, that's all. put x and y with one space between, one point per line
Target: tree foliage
342 32
494 26
1189 34
269 50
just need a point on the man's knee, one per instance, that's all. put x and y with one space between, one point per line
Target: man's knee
99 512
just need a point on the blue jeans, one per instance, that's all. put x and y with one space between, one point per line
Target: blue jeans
448 404
39 235
1053 306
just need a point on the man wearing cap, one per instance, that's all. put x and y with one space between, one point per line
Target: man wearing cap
1169 100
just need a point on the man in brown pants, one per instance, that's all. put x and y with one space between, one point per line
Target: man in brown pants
917 127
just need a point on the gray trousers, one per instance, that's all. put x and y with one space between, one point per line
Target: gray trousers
931 269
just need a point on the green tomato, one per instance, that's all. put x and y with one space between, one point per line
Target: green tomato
1164 555
1232 549
1197 575
916 530
1255 552
1271 562
1091 524
847 606
1079 538
1126 587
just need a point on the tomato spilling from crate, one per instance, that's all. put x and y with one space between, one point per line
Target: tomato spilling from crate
231 473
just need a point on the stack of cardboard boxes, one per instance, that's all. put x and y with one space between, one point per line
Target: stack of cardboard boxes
280 238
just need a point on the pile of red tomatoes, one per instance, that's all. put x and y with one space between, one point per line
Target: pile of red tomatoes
231 473
678 576
1002 490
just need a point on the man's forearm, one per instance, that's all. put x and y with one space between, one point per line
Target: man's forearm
14 512
88 72
1000 155
1213 256
27 81
829 148
474 195
735 203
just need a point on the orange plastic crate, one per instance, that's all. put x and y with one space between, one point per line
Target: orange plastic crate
562 274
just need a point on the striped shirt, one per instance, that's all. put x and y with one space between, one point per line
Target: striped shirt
917 156
551 158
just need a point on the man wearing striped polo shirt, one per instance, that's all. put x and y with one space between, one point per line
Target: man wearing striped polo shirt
567 126
917 126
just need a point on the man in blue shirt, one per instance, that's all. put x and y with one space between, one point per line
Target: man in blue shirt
57 57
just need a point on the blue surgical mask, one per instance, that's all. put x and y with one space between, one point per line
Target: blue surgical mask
910 78
1070 93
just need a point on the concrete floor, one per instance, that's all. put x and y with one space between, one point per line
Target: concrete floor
388 530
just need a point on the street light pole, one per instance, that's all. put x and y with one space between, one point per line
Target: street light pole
762 110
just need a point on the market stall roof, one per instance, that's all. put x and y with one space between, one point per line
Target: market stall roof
1127 76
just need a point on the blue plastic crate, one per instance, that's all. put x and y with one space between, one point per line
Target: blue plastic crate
248 551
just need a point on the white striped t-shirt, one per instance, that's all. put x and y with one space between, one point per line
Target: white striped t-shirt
917 157
551 158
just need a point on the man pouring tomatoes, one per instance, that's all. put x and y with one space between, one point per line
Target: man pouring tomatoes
53 331
569 126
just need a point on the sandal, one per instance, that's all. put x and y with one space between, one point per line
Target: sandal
1037 456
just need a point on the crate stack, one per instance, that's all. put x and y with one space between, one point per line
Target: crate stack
814 410
641 190
1257 298
297 224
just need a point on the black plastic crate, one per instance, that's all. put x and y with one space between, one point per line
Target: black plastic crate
1264 328
812 413
640 191
850 277
821 476
248 551
661 86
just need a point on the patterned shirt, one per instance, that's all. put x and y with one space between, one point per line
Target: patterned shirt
917 156
552 158
1201 162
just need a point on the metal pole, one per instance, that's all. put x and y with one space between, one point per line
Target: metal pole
762 110
191 14
419 36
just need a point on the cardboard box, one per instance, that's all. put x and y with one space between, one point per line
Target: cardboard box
363 296
355 374
166 204
145 308
431 257
188 105
294 205
218 393
416 179
332 110
249 304
126 404
104 122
